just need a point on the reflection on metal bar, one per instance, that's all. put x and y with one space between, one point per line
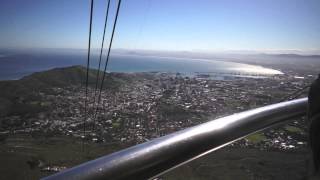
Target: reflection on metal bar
152 158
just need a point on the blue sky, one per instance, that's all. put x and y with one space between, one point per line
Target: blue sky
175 25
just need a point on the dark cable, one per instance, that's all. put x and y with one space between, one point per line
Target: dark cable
102 44
107 60
87 78
295 94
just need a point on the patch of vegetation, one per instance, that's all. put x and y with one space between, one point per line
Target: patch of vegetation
256 138
293 129
116 125
173 112
18 151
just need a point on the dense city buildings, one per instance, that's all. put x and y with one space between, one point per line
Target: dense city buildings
156 104
45 121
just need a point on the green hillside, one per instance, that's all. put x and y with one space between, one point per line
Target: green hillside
74 75
14 94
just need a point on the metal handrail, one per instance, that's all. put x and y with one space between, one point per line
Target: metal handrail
155 157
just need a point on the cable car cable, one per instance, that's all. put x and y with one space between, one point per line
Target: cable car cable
107 60
87 78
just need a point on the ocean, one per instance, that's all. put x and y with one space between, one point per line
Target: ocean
15 66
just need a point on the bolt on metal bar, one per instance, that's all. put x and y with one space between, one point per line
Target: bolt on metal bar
155 157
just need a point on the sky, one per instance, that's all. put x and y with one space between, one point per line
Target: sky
170 25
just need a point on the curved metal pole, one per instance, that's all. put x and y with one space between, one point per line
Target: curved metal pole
160 155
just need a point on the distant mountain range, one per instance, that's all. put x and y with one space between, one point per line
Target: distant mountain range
214 54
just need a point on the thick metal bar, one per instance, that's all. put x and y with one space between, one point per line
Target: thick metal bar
157 156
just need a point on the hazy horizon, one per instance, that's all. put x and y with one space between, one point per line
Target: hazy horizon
96 51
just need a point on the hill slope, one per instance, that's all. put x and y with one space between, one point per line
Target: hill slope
15 93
